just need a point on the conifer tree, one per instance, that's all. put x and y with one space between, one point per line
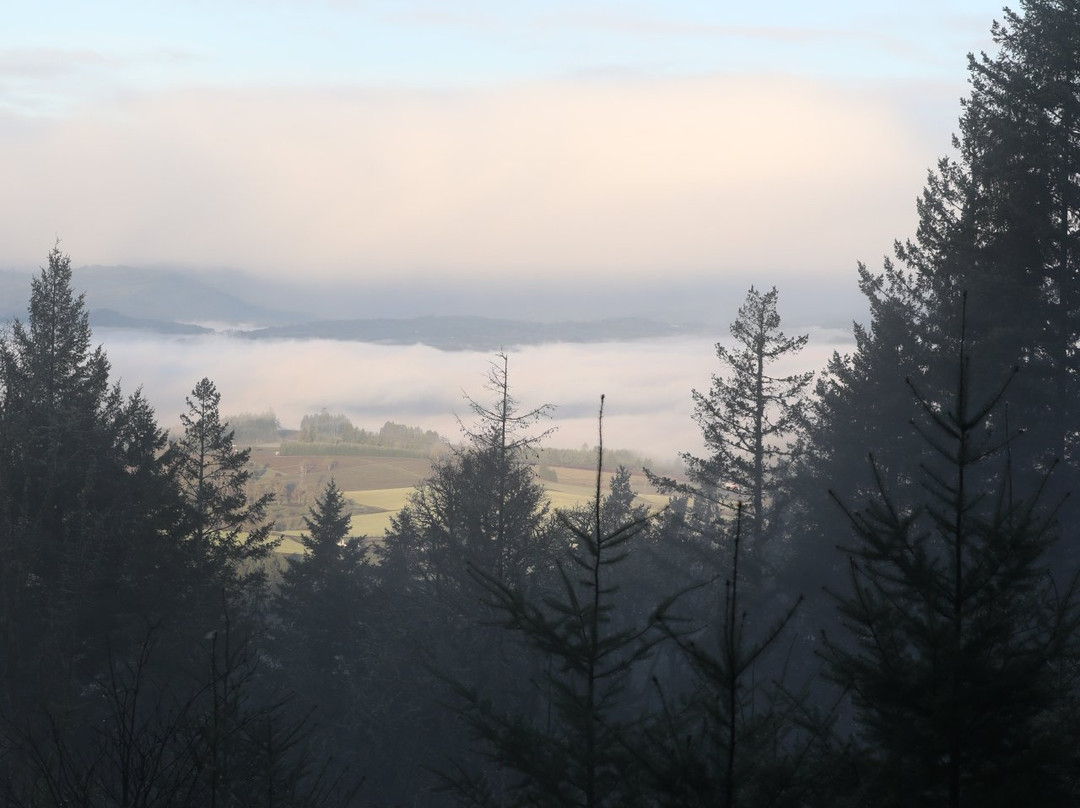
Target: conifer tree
750 419
482 504
225 529
483 508
572 750
1014 243
86 525
861 406
322 609
960 657
503 440
741 738
320 600
999 221
100 593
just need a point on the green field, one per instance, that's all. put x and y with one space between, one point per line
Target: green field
379 487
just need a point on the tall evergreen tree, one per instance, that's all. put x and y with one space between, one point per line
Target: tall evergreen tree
750 418
961 651
572 750
1000 221
482 508
85 519
100 596
224 527
1018 230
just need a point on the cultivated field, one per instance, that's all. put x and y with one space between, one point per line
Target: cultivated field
380 486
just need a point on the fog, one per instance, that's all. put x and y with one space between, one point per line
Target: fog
647 383
555 179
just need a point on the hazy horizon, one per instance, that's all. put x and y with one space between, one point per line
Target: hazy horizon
807 300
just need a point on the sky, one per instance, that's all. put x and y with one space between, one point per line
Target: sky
494 141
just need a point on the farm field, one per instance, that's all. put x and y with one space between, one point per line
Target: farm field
379 487
575 487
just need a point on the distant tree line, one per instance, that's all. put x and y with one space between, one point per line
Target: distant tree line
329 428
863 592
585 457
255 428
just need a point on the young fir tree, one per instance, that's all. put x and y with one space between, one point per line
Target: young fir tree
961 652
573 749
322 609
482 507
741 738
320 600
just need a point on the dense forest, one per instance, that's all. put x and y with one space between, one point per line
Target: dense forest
863 593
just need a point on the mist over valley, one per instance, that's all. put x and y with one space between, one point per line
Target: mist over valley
409 354
647 382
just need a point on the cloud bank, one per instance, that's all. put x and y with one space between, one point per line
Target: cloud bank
647 383
556 179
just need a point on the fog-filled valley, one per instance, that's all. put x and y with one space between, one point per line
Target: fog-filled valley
181 325
647 382
457 410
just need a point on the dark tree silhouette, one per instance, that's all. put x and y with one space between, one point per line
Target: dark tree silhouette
222 524
750 419
1000 221
86 508
572 750
960 656
482 508
321 638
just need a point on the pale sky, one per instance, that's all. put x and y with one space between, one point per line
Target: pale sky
365 139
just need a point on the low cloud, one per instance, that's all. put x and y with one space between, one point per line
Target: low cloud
560 179
647 384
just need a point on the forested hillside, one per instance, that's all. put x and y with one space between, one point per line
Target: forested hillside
862 593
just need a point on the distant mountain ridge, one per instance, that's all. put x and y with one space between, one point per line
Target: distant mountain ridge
107 318
149 295
183 303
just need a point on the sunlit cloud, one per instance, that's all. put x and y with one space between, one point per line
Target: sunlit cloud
681 176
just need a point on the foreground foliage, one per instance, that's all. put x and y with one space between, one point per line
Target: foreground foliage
963 647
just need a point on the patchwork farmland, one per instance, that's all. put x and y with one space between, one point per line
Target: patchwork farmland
378 487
